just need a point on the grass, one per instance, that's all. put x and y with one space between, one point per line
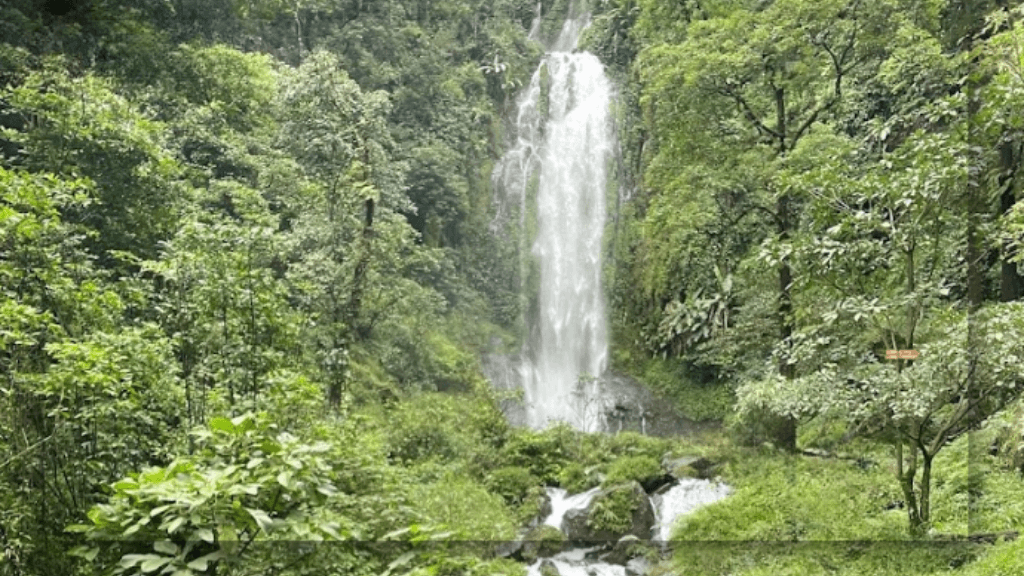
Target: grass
802 515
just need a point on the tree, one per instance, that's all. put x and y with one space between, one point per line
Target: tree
874 257
764 79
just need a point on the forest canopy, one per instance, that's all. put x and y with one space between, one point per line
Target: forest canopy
249 268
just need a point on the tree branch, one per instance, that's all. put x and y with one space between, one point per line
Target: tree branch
749 112
812 119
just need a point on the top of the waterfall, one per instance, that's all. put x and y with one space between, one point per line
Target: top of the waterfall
576 22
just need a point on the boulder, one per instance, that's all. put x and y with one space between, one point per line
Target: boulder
548 568
627 548
652 485
543 503
542 542
509 549
661 491
545 507
689 467
638 567
589 524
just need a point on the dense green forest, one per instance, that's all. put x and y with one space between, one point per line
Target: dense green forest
247 276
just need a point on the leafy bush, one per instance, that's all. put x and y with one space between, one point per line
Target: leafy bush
542 541
531 507
511 483
444 427
576 478
694 400
465 508
613 510
1004 558
248 482
634 468
795 498
545 453
635 444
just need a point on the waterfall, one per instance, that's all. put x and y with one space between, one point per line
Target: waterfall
559 162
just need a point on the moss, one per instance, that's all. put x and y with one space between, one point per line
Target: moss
673 379
511 483
541 542
634 468
576 478
613 509
475 515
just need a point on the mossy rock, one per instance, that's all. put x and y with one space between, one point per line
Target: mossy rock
548 568
639 468
613 513
542 542
689 467
627 548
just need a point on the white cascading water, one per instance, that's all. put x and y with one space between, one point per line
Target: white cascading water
685 497
565 140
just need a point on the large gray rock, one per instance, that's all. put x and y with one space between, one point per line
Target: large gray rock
638 567
627 548
689 467
583 524
548 568
543 501
542 542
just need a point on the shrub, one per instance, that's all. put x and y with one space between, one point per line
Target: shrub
634 468
635 444
464 507
545 453
613 510
576 478
446 427
511 483
542 541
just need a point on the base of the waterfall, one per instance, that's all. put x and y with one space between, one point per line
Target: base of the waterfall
576 563
626 556
622 404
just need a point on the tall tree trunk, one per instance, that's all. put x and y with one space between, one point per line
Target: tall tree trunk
1011 284
906 469
973 205
785 428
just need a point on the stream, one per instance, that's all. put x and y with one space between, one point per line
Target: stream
686 496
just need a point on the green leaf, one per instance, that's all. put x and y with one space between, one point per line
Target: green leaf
173 525
154 564
130 560
159 510
202 563
165 547
400 561
331 529
327 489
89 554
262 519
125 485
222 424
204 534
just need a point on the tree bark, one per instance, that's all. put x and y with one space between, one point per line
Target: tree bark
1011 284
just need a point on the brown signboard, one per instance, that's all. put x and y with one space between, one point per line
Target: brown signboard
901 354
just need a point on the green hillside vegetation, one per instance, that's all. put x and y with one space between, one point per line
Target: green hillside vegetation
247 274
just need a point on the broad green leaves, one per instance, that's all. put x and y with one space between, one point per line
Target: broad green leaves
247 483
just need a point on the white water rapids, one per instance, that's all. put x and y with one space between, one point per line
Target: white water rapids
685 497
564 143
